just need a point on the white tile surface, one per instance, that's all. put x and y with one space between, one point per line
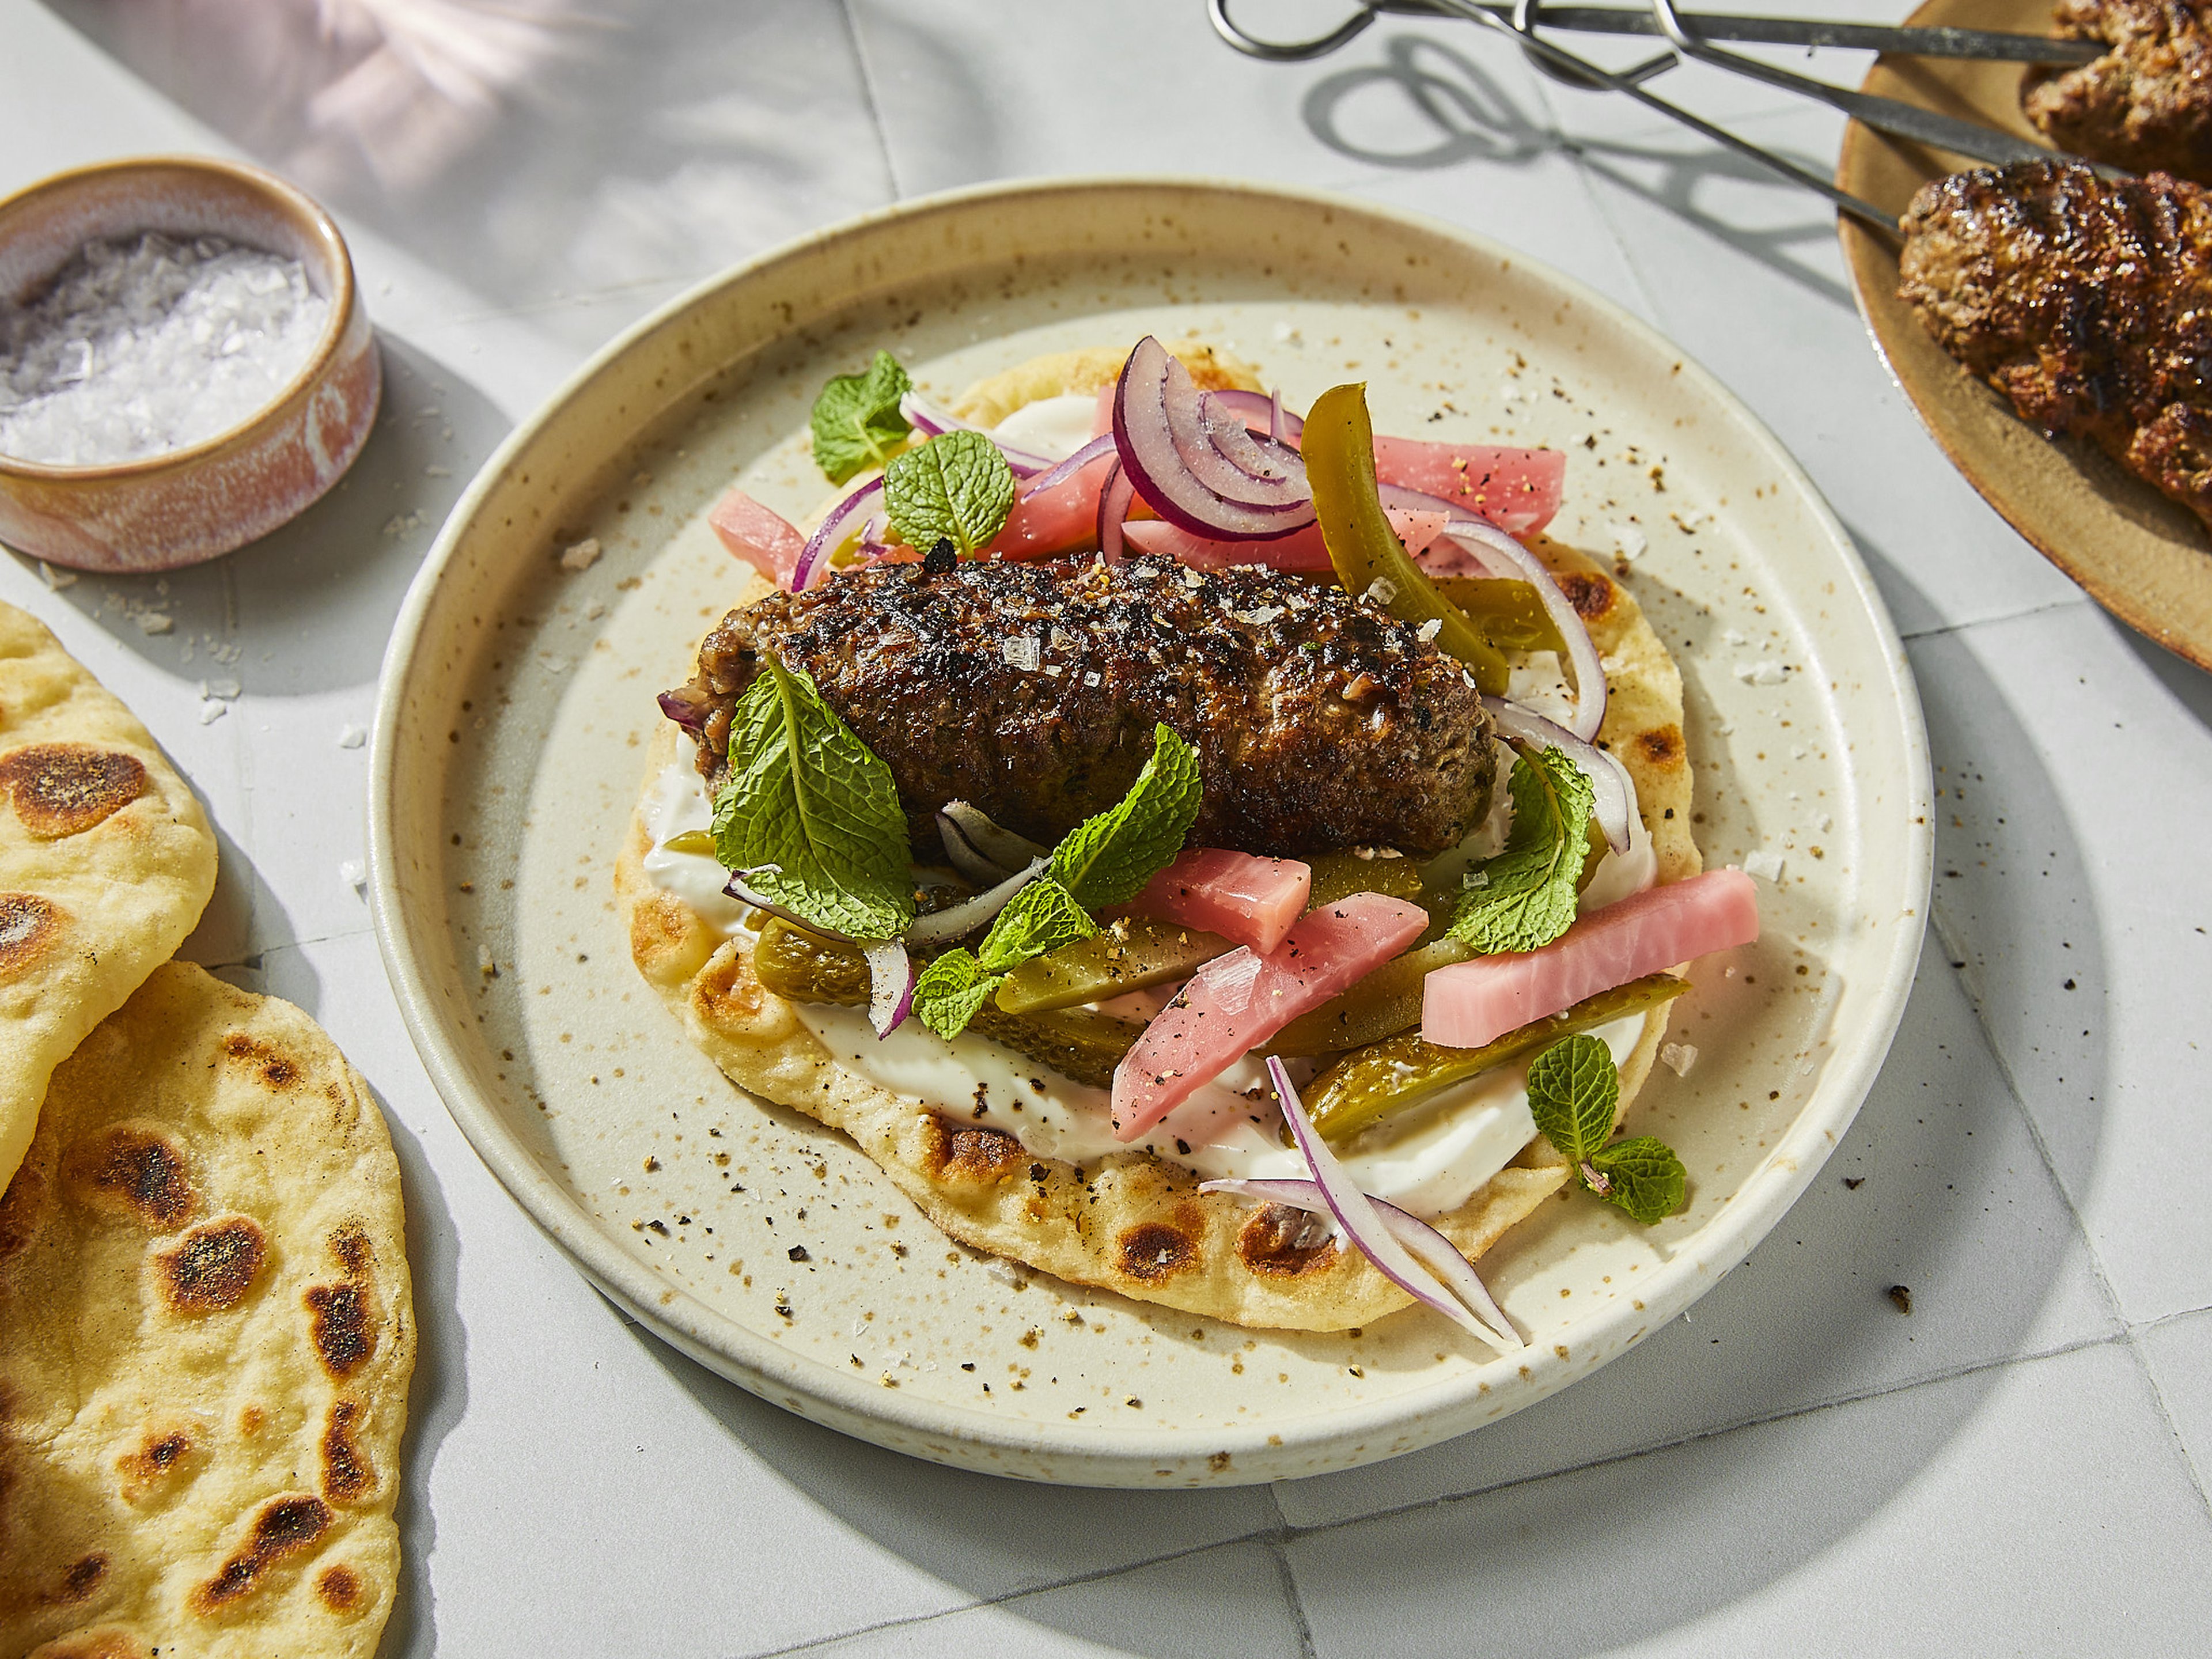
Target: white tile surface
2072 760
2039 1509
574 1488
1953 1202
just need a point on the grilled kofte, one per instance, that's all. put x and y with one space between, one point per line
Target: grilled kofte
1031 692
2083 300
2145 105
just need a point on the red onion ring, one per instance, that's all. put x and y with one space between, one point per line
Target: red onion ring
1426 1245
1101 445
943 927
927 418
1616 796
1113 507
1162 438
814 558
891 979
964 856
736 889
1222 455
685 713
1284 428
1001 847
1363 1222
1487 540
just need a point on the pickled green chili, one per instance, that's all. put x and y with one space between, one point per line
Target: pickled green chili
1384 1003
1339 446
1133 954
1385 1078
1507 611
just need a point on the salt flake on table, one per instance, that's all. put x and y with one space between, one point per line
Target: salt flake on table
352 736
1677 1057
1761 673
211 711
1764 864
353 873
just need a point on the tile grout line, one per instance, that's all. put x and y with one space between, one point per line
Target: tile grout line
2173 1428
1945 630
1276 1553
868 92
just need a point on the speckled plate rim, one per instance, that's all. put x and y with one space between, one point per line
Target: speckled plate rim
1267 1449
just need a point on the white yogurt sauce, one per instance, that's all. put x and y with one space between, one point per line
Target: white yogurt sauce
678 803
1055 428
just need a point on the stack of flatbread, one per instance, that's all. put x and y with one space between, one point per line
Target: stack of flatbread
205 1328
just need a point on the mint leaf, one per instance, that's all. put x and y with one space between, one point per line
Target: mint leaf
857 422
1107 859
1643 1176
956 488
809 816
1573 1091
1042 916
1525 896
950 991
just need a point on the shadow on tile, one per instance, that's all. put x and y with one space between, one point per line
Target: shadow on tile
2191 686
319 594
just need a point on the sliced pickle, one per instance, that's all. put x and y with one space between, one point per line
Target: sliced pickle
805 967
1508 613
1340 875
1386 1002
690 841
1130 955
1378 1081
1076 1043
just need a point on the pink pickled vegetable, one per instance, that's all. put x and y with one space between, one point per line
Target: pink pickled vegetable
1515 489
1302 551
1237 1001
1252 900
1473 1003
761 537
1060 519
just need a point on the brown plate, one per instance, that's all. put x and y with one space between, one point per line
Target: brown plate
2144 558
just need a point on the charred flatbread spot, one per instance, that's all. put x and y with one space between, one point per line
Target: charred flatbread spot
1661 745
65 789
284 1528
350 1249
970 1151
1591 594
344 1327
132 1174
211 1267
28 927
277 1069
80 1579
151 1463
108 1641
340 1587
1284 1242
1152 1250
348 1474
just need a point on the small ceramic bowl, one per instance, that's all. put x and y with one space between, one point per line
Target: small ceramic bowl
185 505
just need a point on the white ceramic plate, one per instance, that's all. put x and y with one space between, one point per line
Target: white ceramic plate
518 697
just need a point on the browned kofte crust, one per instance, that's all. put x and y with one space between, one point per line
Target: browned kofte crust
2147 104
2087 301
1031 690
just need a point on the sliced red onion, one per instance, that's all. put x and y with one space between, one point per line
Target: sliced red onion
843 520
738 889
685 713
1161 435
1113 507
1363 1223
933 421
1282 428
1101 445
1486 540
1426 1245
943 927
890 986
1616 795
1222 455
961 853
1003 848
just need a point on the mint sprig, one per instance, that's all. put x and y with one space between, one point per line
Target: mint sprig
1525 897
1108 859
1105 860
856 420
1574 1090
956 488
809 816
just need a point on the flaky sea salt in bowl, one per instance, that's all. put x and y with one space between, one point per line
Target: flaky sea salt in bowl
185 363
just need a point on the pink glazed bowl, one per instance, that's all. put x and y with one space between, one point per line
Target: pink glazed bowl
186 505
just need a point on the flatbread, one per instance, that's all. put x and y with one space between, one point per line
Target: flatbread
206 1334
105 863
1132 1223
